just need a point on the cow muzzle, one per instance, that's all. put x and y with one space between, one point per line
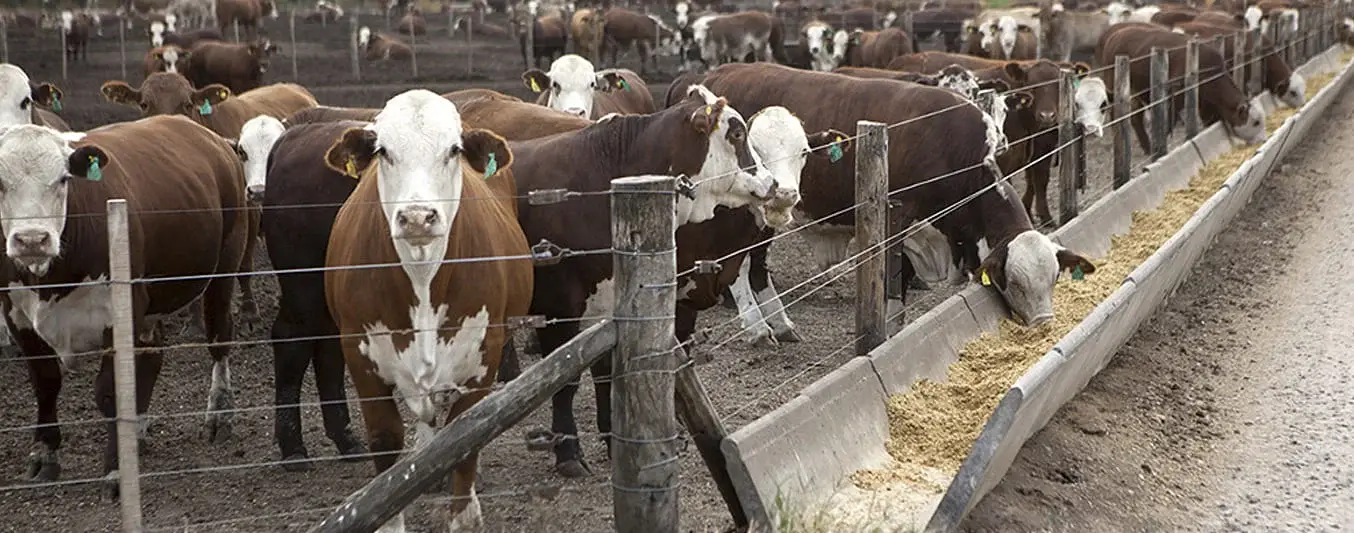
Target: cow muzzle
417 224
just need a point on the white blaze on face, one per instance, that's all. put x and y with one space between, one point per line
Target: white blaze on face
723 180
1296 95
572 83
16 96
1007 28
815 41
33 189
157 34
363 37
1031 271
1091 98
778 137
257 137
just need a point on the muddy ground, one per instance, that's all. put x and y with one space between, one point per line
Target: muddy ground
1230 409
518 488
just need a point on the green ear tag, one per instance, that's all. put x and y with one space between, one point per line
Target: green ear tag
56 103
623 84
492 167
834 152
94 173
205 108
1077 274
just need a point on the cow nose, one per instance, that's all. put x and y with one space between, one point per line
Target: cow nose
32 242
256 193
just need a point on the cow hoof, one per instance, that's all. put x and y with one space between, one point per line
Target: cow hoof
43 467
350 449
540 440
298 462
789 335
218 428
573 469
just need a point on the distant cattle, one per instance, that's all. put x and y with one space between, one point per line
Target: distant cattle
183 185
428 189
572 86
240 67
166 59
381 47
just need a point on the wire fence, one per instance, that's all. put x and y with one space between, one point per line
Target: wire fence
714 339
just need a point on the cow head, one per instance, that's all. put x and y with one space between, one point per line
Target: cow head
571 83
731 173
18 94
1041 78
817 36
417 151
39 166
1091 98
163 93
157 31
778 137
257 137
170 58
1025 269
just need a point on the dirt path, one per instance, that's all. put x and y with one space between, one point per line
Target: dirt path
1231 409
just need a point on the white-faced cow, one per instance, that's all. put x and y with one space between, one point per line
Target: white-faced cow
428 191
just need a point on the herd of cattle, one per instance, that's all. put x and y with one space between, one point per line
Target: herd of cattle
439 184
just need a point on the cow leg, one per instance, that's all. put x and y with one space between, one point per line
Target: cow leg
290 360
768 299
755 329
568 454
44 373
220 328
328 359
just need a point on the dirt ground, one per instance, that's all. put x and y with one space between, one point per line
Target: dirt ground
1230 409
191 484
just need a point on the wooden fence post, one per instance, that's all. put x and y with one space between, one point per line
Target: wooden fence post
357 65
291 28
1191 110
124 365
1256 83
872 201
645 435
1123 131
1161 104
1068 206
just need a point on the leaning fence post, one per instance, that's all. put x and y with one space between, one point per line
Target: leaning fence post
1160 107
644 418
357 66
1255 63
1123 131
124 364
872 201
1067 166
1191 110
291 28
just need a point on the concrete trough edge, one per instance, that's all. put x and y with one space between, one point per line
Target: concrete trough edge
828 403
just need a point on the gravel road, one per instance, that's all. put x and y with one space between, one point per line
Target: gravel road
1232 409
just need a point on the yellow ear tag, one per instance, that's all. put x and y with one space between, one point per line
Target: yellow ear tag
986 281
351 167
534 87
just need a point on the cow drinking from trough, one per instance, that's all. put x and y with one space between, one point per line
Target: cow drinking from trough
183 185
428 192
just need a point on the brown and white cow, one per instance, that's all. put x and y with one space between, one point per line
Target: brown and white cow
56 186
1219 97
25 102
238 66
1281 80
382 47
167 58
647 34
1026 261
427 191
573 86
588 29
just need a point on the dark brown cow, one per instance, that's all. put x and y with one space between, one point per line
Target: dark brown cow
412 23
876 48
572 86
1219 98
382 47
1279 79
646 34
168 58
320 113
957 142
465 304
166 165
239 67
249 14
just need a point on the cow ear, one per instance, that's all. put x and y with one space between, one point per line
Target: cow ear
352 153
485 151
705 119
45 94
536 80
1015 72
829 143
87 162
1069 260
119 92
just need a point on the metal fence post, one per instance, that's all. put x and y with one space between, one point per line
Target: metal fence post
644 418
124 365
872 200
1160 110
1256 83
1067 166
1123 131
357 66
1191 110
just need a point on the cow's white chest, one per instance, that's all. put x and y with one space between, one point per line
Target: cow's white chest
71 324
432 371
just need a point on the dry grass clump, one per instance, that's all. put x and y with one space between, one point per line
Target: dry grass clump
935 424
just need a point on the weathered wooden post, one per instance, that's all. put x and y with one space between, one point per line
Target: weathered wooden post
872 202
1067 167
1123 131
1191 110
1161 104
356 54
291 28
644 417
124 365
1256 83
